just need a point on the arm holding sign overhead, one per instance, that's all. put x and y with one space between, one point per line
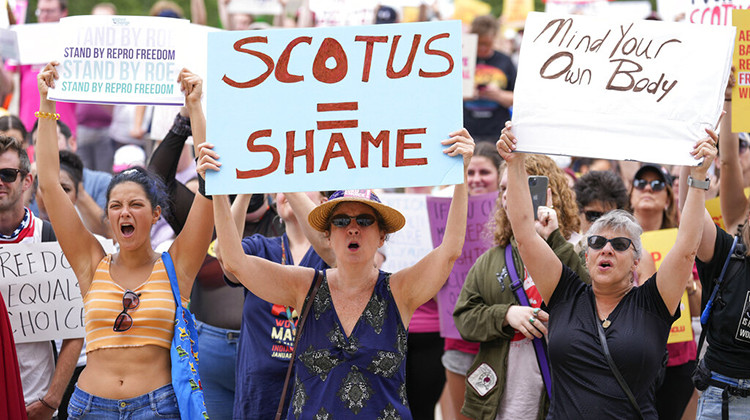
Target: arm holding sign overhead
731 189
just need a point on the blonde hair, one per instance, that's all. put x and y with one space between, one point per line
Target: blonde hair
562 199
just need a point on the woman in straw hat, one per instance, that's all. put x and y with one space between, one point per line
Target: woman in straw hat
350 359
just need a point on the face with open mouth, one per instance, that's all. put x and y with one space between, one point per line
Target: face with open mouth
130 213
358 239
608 264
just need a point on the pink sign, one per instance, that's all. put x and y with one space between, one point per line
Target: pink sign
477 241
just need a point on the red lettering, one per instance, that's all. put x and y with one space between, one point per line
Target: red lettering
280 322
367 139
330 48
282 66
337 139
254 173
409 61
656 255
370 40
430 51
744 35
307 152
744 92
745 64
401 146
266 59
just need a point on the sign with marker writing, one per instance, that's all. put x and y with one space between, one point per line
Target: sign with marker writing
741 62
619 89
410 244
712 12
120 60
334 108
477 241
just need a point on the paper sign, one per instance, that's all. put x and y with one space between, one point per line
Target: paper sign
741 62
255 7
9 45
659 242
477 241
343 12
410 244
576 7
120 60
469 60
37 42
623 90
315 109
712 12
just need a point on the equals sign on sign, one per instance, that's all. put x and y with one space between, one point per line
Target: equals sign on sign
338 124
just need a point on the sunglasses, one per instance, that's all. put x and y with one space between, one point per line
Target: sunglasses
656 185
743 146
342 220
620 243
592 215
9 174
124 321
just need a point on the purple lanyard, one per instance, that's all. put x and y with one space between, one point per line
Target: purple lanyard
540 345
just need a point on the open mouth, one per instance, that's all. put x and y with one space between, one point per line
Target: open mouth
605 264
127 229
354 246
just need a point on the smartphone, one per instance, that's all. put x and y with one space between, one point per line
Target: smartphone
538 188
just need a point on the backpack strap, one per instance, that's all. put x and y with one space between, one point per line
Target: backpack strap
48 235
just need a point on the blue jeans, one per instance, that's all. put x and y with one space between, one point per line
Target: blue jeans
709 404
160 403
218 359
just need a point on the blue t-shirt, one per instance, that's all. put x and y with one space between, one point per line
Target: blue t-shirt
96 183
266 337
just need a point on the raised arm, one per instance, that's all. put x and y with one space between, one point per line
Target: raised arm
189 248
419 283
732 185
80 247
539 259
695 223
302 205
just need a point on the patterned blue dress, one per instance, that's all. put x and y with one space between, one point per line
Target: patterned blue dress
360 376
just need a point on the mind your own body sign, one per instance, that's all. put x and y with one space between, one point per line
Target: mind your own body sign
334 108
626 90
120 60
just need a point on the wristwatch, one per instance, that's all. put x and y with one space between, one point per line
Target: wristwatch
692 182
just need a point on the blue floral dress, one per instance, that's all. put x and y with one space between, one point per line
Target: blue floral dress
360 376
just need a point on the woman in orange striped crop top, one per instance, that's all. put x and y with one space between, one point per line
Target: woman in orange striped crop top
128 301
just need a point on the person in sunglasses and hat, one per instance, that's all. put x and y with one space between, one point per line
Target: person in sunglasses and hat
652 199
351 354
613 377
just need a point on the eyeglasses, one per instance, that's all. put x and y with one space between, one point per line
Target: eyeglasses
10 174
124 321
656 185
592 215
620 243
342 220
743 146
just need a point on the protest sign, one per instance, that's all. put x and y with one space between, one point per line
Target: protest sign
334 108
741 62
343 12
9 45
714 209
469 60
659 242
577 7
255 7
120 60
413 241
619 89
478 239
515 12
711 12
37 42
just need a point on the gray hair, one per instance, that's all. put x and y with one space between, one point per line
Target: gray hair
619 220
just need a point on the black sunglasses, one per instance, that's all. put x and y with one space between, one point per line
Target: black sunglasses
342 220
743 146
656 185
620 243
592 215
10 174
124 321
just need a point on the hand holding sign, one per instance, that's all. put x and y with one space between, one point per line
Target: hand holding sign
46 80
460 143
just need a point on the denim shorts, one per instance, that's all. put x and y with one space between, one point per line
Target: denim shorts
709 403
160 403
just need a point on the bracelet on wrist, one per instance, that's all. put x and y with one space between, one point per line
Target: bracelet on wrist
51 115
46 404
703 185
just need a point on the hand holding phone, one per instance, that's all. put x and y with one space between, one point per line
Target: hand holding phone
538 188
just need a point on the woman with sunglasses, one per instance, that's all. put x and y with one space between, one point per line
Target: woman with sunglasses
487 296
127 297
350 360
635 321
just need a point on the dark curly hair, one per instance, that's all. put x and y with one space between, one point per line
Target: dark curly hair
152 185
604 186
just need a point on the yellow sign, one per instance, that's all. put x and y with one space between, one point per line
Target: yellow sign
467 10
515 12
659 242
714 209
741 62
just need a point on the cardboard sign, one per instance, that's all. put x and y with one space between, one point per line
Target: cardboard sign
469 61
120 60
410 244
334 108
741 62
478 240
712 12
659 242
622 90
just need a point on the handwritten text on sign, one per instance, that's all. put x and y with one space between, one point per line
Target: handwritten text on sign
41 293
477 241
595 87
712 12
334 108
120 59
410 244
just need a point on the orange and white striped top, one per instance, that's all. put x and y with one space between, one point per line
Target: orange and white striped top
153 319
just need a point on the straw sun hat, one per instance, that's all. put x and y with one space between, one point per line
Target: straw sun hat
393 220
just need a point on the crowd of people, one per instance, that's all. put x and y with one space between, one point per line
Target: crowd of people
565 316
